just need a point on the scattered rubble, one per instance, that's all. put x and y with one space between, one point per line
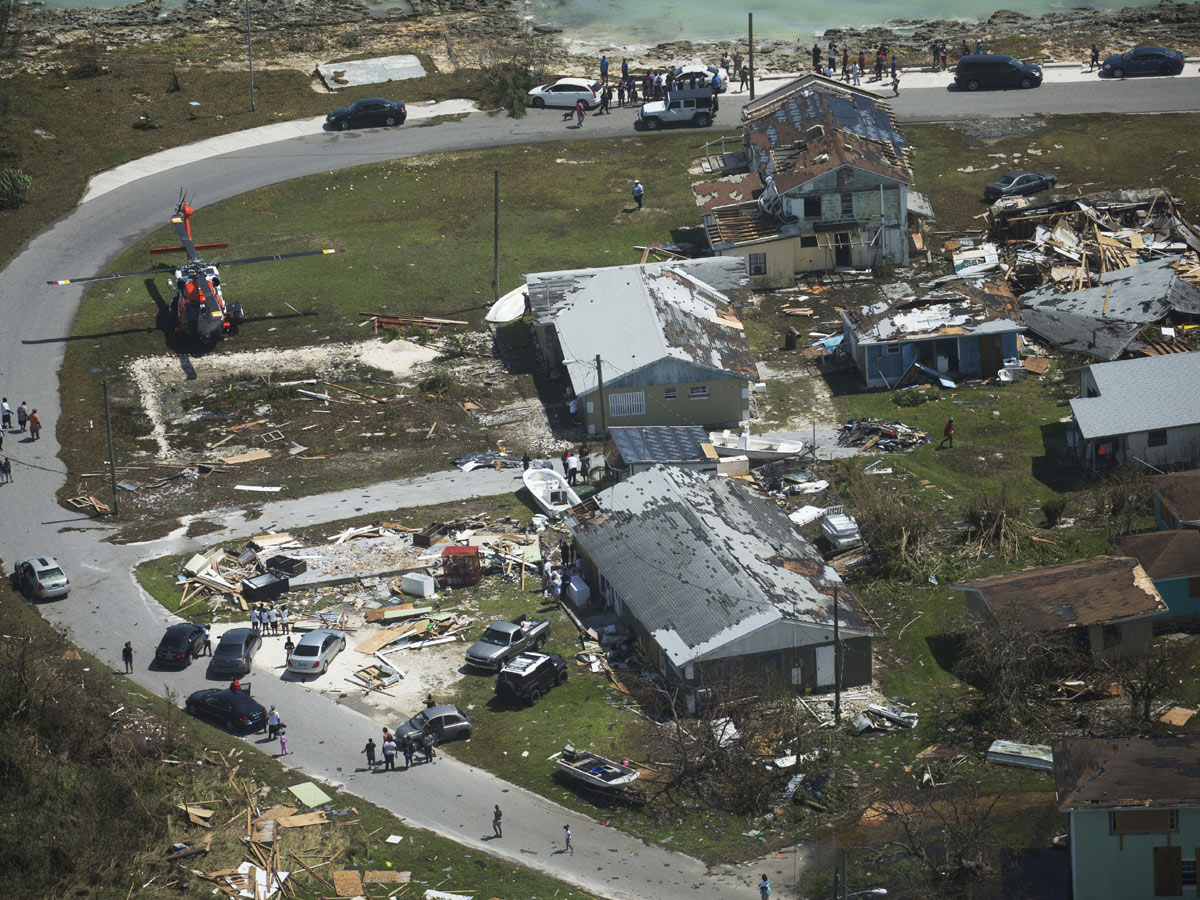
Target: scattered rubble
877 434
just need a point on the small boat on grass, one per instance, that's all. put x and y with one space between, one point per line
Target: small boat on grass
550 490
595 772
757 448
510 306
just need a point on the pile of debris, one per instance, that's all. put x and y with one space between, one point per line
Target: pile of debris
877 434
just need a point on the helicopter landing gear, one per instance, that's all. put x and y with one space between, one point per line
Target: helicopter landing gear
236 315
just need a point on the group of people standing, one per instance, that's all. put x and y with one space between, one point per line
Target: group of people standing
854 66
26 419
392 746
270 619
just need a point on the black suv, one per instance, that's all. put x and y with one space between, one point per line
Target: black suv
995 70
529 675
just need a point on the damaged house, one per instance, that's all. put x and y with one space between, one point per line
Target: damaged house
1172 560
1106 602
1120 315
959 329
650 344
1177 500
827 185
708 575
1144 411
1133 815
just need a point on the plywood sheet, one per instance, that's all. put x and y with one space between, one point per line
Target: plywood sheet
248 456
304 819
387 876
347 883
309 794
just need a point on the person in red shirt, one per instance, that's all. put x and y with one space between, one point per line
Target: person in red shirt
947 434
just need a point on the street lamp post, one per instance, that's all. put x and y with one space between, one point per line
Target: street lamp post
598 366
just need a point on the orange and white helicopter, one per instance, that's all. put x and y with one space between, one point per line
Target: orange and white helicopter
198 307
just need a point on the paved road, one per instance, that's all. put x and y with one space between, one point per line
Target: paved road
106 607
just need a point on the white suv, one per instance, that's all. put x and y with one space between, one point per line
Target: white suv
566 92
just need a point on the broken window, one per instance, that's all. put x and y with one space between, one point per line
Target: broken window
700 392
847 205
808 240
812 207
757 263
893 348
1156 438
632 403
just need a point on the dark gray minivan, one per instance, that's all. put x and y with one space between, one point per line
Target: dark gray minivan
995 70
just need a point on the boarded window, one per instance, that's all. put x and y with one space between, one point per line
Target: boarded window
700 392
630 404
1194 587
757 264
668 393
1168 872
893 348
1142 821
808 240
1156 438
812 207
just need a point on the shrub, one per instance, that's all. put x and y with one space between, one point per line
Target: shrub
507 87
909 398
14 188
1053 510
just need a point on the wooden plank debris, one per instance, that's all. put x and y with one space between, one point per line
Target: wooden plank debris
347 883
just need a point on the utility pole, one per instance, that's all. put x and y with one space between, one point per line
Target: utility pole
600 391
837 664
250 57
496 239
751 55
112 461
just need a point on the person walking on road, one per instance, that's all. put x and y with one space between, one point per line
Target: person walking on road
7 470
567 848
604 70
284 626
1091 68
22 415
370 751
764 889
283 750
126 653
496 826
35 425
427 741
638 192
409 751
288 647
580 112
5 414
948 434
3 477
207 640
273 723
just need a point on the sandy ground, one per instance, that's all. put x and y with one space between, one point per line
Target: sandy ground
433 669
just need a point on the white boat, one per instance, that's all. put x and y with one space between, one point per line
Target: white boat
595 771
840 529
510 306
550 490
758 448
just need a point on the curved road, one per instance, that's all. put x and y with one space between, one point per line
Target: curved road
106 607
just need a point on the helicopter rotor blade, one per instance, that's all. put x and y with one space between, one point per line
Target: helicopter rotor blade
258 259
184 238
157 271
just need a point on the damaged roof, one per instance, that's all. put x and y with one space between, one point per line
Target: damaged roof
701 562
665 311
1085 592
659 443
815 125
727 191
953 308
1139 395
1127 773
1137 294
1179 492
1164 554
747 223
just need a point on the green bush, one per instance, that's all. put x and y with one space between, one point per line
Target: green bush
507 87
912 397
14 188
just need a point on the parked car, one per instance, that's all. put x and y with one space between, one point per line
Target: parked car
566 92
445 723
680 107
706 76
236 710
528 676
1144 61
995 70
180 644
235 651
40 578
501 641
1013 184
315 651
369 113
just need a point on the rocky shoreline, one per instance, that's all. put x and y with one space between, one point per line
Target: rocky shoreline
436 26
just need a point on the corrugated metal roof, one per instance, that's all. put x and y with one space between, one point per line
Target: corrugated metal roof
1139 395
702 561
663 310
659 443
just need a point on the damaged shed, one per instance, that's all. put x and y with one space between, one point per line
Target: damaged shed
1144 411
1107 601
709 575
962 328
679 355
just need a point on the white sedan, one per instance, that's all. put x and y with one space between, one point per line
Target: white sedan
566 92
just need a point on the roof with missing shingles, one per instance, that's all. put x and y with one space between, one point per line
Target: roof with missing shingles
1127 772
